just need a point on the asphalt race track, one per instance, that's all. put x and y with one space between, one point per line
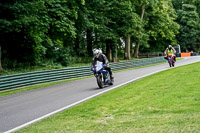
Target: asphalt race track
21 109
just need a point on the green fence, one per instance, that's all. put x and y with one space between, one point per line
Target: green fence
31 78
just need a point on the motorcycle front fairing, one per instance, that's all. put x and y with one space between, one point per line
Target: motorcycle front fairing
98 69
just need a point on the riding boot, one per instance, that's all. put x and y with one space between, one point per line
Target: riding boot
111 77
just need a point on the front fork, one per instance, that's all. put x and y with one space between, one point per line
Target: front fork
98 74
103 76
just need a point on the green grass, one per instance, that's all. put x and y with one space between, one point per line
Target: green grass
166 102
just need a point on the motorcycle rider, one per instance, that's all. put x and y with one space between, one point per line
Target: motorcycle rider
98 56
170 50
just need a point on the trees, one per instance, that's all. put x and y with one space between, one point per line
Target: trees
163 27
37 30
190 26
188 17
16 36
131 28
158 27
141 5
31 30
1 69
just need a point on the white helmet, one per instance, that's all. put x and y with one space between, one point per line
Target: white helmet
96 52
170 47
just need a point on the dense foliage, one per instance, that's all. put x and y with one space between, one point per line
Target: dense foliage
36 31
188 18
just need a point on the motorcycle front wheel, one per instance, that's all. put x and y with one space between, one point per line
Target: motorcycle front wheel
100 81
170 62
173 62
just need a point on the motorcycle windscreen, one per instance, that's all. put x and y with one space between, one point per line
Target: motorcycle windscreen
98 65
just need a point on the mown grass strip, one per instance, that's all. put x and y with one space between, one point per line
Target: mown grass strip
168 101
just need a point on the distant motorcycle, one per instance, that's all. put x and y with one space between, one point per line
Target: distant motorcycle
171 60
102 75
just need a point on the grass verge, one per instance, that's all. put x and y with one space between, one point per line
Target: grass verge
168 101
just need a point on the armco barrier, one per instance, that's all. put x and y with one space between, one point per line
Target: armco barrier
31 78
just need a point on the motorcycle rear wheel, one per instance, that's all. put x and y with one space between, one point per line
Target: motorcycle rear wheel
170 62
111 81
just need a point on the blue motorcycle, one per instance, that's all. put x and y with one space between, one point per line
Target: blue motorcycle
102 75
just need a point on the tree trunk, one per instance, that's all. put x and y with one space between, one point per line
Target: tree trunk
108 50
1 69
138 44
114 53
143 10
136 52
89 42
127 46
132 51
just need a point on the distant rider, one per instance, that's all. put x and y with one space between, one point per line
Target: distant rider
98 56
170 50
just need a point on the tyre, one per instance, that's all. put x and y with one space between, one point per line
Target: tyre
173 63
100 81
170 65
